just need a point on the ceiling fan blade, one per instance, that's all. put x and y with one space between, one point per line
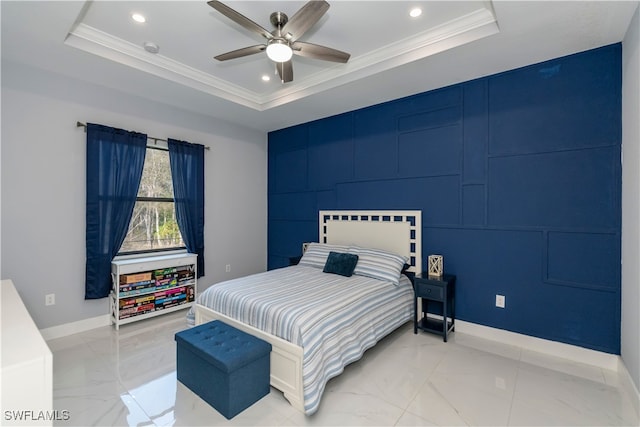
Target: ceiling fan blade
239 53
316 51
239 19
304 19
285 71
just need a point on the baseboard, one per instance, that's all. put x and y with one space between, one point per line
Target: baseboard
629 386
75 327
553 348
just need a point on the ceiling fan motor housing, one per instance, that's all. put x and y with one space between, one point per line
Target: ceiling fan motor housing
278 19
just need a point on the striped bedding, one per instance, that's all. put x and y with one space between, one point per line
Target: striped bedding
333 318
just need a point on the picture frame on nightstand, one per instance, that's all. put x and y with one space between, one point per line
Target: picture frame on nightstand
435 265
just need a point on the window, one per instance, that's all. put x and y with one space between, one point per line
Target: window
153 225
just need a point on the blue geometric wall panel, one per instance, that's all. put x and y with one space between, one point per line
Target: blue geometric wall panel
330 164
518 177
508 262
491 262
289 139
381 165
475 131
473 205
551 111
583 259
289 171
305 231
429 119
305 202
441 191
562 189
428 101
375 142
434 151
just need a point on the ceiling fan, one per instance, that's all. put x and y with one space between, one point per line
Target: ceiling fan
283 42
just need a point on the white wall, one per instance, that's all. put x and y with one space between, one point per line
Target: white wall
43 186
630 328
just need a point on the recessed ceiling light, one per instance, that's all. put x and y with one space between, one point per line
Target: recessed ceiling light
138 17
415 12
265 78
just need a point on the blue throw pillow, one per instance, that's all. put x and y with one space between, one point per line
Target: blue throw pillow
340 263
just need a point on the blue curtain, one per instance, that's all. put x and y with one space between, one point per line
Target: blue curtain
115 159
187 173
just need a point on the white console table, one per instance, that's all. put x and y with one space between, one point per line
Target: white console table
27 365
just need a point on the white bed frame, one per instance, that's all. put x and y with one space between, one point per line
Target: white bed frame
395 231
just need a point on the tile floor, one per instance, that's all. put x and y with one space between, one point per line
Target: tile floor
127 377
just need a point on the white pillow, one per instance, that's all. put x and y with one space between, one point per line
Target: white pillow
379 264
317 253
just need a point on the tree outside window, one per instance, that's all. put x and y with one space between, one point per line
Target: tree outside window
153 226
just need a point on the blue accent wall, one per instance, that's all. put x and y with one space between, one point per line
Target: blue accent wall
518 177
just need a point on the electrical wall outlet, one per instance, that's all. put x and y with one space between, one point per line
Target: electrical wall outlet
500 301
50 299
227 268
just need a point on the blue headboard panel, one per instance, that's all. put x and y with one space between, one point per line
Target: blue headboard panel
518 176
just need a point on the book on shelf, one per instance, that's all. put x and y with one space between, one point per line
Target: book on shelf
187 281
187 268
136 292
137 286
169 280
164 273
135 302
176 290
144 308
170 304
186 273
136 277
164 292
169 299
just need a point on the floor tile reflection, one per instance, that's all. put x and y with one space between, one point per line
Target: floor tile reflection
128 378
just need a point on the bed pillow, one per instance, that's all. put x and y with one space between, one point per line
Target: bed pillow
340 263
379 264
317 253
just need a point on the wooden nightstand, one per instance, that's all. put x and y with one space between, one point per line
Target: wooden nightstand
439 291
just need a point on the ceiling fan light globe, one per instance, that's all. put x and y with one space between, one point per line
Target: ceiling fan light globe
279 51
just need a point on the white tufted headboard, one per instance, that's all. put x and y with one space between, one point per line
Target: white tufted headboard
394 231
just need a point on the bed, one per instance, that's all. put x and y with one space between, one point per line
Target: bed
318 322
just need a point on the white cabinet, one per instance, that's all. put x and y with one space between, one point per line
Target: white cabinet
27 366
151 286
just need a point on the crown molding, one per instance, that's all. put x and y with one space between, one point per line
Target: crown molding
462 30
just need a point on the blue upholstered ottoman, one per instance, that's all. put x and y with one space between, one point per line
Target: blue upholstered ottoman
226 367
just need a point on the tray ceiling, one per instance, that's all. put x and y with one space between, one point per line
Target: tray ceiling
392 54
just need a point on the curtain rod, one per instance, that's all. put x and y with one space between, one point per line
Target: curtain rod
154 139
